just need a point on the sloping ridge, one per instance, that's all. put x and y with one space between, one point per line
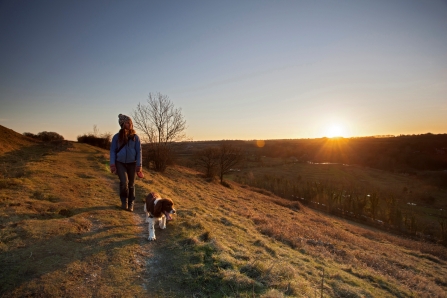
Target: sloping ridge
11 140
242 242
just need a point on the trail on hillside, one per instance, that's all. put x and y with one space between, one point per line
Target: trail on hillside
147 258
62 231
152 256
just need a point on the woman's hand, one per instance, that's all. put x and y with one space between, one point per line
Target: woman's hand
139 171
113 169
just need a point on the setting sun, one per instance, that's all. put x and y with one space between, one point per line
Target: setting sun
335 130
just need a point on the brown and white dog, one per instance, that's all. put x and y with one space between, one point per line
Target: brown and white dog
157 209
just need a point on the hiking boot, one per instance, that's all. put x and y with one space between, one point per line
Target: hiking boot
130 207
124 204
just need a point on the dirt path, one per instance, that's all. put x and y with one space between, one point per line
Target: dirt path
146 258
153 254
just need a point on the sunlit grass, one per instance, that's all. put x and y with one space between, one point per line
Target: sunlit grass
62 233
250 236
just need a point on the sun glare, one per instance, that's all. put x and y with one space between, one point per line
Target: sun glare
260 143
335 130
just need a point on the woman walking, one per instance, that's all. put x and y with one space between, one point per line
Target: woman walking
126 160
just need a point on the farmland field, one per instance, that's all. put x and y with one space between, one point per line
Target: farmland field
420 206
414 188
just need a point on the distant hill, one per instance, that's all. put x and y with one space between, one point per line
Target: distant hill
11 140
406 153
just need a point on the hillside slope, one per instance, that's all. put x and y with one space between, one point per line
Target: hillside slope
11 140
236 242
62 234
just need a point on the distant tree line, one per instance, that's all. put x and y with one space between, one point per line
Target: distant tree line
384 210
406 153
218 160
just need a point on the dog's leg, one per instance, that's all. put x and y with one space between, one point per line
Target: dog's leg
162 223
147 213
151 229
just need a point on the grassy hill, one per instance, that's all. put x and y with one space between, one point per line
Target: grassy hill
63 235
11 140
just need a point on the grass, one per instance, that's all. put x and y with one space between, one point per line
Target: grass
233 242
63 235
61 231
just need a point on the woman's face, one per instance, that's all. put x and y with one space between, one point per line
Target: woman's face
128 124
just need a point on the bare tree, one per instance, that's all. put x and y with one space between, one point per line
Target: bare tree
229 156
374 205
207 159
95 131
162 124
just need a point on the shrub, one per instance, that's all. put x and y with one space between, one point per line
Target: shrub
29 134
102 141
159 156
45 136
226 184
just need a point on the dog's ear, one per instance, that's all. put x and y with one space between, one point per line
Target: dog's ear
157 208
147 205
169 203
147 201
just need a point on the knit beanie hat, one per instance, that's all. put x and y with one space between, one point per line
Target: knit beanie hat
122 118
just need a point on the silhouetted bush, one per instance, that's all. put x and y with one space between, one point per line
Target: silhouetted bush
45 136
159 156
29 134
102 141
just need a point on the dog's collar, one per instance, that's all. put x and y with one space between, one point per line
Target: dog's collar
152 216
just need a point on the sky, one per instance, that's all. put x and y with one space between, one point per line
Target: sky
240 69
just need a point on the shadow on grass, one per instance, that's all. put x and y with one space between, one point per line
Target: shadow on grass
45 256
26 258
185 262
56 212
13 163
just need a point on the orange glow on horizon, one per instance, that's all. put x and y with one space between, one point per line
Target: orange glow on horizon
335 130
260 143
335 149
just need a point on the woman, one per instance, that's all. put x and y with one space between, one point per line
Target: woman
125 160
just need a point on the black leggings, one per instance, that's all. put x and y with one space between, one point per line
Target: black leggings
126 173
